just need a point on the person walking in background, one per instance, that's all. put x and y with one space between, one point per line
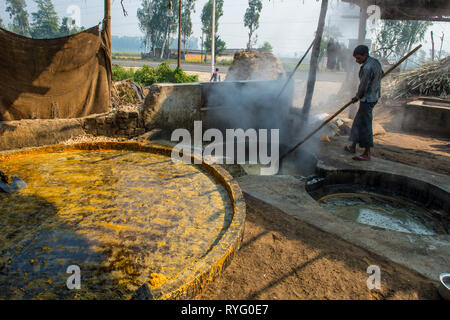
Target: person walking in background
369 91
331 55
215 76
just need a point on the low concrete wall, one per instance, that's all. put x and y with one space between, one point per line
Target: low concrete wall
428 119
232 104
171 106
34 133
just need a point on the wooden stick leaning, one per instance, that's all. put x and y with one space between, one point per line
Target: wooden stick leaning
345 106
295 69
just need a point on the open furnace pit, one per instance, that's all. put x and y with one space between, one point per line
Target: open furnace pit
383 200
124 213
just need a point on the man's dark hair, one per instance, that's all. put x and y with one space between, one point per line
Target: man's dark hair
217 69
361 50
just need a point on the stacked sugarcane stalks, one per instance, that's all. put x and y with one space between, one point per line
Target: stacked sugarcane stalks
431 79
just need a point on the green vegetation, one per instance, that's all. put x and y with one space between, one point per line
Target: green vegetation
120 73
396 38
45 21
19 15
266 47
147 75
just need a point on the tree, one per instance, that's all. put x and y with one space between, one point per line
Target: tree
186 20
219 45
19 15
144 15
206 18
45 23
157 21
251 20
396 38
266 47
1 22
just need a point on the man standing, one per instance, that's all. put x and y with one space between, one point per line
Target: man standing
369 92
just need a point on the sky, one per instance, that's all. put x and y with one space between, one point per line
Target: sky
288 25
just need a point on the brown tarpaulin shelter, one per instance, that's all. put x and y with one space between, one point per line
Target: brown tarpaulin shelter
65 77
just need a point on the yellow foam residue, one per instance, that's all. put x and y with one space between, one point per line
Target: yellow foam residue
156 280
117 227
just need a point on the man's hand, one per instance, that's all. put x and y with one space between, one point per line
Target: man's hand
354 99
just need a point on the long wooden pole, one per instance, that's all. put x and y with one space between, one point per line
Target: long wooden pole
296 67
106 36
432 46
345 106
440 50
107 19
314 61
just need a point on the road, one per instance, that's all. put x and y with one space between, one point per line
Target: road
300 75
184 66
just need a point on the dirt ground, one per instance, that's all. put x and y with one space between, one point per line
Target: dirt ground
205 76
417 149
421 151
284 258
